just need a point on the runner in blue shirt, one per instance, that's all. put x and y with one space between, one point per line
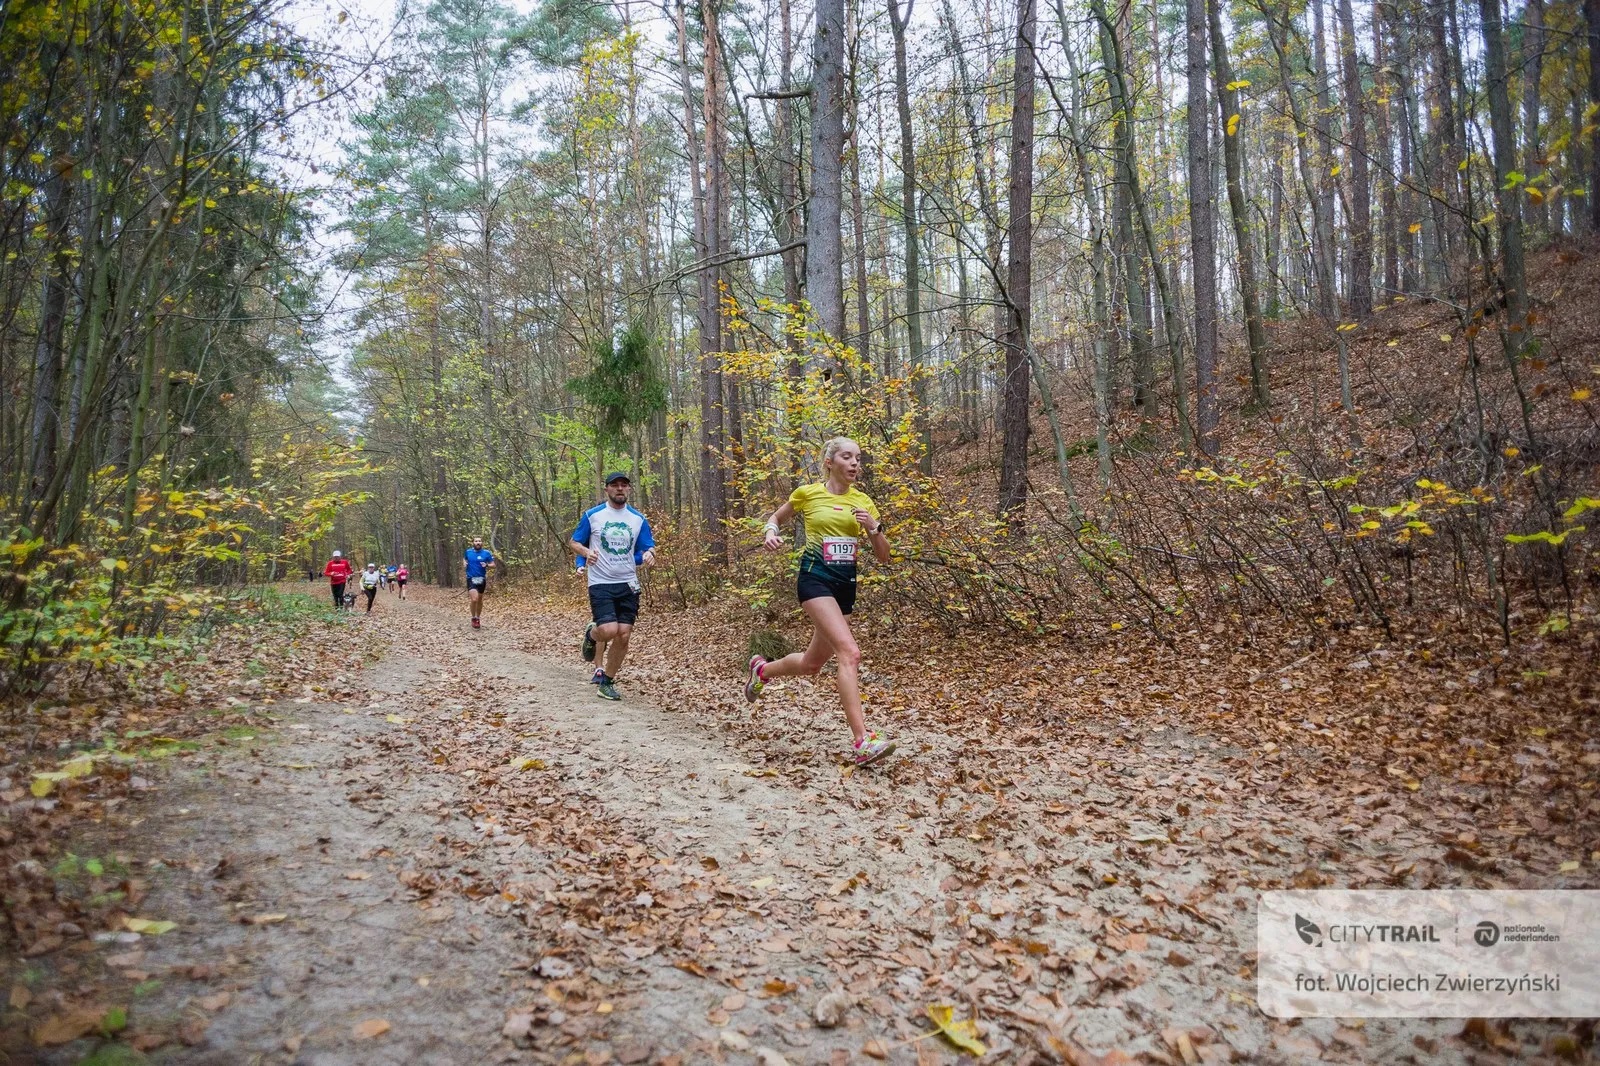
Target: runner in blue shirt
478 561
613 540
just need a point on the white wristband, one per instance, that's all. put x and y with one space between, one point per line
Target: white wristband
772 527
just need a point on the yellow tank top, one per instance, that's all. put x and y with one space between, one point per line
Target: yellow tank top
832 533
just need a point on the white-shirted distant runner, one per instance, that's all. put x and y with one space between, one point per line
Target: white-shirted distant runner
836 515
614 540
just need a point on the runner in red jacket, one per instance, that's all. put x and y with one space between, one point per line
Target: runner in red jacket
338 572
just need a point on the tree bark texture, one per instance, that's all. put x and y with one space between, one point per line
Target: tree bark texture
1508 198
1360 186
1202 228
824 247
1019 274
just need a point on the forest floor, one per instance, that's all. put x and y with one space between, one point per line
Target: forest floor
413 842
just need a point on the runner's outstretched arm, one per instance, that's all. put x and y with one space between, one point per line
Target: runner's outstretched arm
780 518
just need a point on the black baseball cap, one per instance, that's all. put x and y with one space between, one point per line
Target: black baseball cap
618 475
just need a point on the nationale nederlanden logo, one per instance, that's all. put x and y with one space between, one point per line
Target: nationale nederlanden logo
1487 934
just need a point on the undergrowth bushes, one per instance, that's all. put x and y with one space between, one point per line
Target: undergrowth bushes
143 570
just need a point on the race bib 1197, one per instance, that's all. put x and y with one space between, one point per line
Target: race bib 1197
839 550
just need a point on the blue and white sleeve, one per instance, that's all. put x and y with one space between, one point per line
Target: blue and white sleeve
646 541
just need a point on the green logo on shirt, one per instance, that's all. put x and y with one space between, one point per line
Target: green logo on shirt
616 538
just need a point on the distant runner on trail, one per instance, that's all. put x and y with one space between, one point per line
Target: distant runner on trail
371 578
613 540
478 561
837 515
400 576
337 572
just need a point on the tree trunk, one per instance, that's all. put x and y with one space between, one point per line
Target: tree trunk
1276 292
1591 15
1104 326
912 236
790 225
824 250
1238 209
52 326
1413 166
858 226
713 429
1133 292
1321 189
1508 197
1202 229
1447 145
1388 177
1172 331
1019 275
1356 155
1322 258
982 169
444 572
1532 109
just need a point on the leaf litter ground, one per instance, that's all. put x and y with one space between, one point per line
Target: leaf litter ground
459 854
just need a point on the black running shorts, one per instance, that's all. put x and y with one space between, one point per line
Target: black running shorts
614 603
477 584
813 586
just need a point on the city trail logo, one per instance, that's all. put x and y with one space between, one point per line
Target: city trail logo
616 538
1356 933
1487 934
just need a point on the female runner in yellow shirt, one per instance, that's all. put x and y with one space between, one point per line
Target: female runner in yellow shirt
836 515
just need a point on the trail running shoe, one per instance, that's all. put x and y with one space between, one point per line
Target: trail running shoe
755 683
476 624
588 643
608 691
599 676
871 748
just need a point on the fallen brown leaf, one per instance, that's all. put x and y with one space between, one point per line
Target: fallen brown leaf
67 1026
216 1002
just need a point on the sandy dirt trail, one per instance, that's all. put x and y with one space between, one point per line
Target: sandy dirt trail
468 850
